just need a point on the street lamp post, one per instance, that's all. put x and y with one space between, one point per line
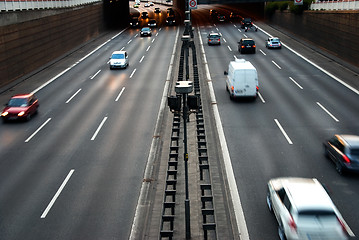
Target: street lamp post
185 87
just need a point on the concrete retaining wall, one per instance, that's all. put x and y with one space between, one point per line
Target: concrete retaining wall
334 31
27 46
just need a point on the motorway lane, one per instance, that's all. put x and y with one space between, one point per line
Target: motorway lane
258 149
104 170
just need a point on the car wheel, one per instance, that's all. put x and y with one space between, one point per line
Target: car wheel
28 117
326 152
269 202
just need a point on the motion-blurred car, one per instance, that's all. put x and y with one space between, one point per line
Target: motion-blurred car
135 5
157 10
20 107
152 23
144 15
273 42
145 32
246 22
134 22
234 16
119 59
147 4
151 3
221 17
213 13
246 45
214 38
170 20
304 210
344 151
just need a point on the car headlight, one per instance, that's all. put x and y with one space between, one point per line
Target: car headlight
4 114
20 114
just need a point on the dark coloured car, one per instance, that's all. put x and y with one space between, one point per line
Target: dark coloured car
152 23
157 10
343 150
145 32
234 16
144 15
246 22
221 18
134 22
20 107
170 20
246 45
214 38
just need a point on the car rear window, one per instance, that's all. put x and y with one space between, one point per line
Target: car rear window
118 56
354 151
251 42
317 213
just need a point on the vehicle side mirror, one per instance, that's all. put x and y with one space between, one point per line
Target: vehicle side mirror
225 73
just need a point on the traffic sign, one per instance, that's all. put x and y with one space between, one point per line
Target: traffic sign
192 4
298 2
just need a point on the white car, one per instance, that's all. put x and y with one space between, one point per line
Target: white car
273 42
119 59
304 210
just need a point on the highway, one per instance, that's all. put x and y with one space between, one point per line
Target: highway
281 133
75 170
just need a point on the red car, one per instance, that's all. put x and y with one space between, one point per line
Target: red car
20 107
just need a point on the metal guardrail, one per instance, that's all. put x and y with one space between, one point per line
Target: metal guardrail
23 5
335 5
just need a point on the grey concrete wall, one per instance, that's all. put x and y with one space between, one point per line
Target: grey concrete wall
334 31
39 38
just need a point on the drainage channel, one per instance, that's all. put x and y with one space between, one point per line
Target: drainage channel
167 226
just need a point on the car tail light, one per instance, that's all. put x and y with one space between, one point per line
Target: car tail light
254 45
257 88
342 224
346 159
232 88
242 46
292 224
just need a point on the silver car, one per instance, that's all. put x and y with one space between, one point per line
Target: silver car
304 210
273 42
119 59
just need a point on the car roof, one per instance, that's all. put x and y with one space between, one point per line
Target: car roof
119 52
27 95
349 140
305 193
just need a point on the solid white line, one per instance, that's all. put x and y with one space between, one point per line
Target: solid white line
119 95
230 49
331 115
32 135
276 64
262 52
233 189
133 72
67 69
315 65
148 48
295 82
73 96
95 74
283 132
155 144
99 128
260 96
57 194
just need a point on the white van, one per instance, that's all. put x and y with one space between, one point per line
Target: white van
242 79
